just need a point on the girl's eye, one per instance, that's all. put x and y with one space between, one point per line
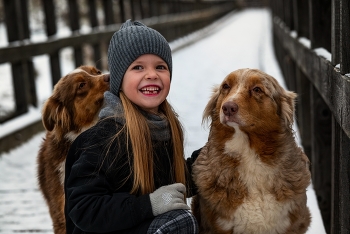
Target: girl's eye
81 85
161 67
137 67
257 90
225 86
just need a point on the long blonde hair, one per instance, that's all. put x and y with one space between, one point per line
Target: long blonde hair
139 134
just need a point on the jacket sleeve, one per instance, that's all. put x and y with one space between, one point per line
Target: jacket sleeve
191 187
91 202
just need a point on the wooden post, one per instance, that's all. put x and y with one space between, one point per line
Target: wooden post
151 8
75 26
303 114
28 66
345 36
320 24
108 10
133 14
18 77
288 13
51 29
335 36
122 11
94 23
302 21
340 222
321 138
142 11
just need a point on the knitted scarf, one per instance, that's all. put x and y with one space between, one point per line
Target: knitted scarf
158 124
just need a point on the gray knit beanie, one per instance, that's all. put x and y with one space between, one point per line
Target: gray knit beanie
132 40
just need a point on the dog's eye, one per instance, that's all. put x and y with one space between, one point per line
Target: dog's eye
257 90
225 86
99 72
81 85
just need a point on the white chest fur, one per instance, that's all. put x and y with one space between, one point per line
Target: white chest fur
260 212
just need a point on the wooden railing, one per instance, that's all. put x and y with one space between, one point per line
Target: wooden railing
172 18
312 44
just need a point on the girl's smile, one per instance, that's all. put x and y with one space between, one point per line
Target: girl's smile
147 82
150 90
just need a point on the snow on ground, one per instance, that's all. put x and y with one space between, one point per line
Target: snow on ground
239 40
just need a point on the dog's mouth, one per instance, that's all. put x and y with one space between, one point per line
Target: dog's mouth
231 120
150 90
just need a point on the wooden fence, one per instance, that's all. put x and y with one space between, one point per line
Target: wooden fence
179 18
172 18
312 44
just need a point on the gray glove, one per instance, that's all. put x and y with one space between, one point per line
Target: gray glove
166 198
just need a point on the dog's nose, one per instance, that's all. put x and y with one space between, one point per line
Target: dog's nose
229 108
106 78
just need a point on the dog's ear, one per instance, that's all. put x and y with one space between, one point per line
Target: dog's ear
209 110
55 114
287 102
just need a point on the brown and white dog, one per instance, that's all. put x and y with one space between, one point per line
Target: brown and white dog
251 174
73 107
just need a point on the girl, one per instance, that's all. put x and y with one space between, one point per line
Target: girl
127 174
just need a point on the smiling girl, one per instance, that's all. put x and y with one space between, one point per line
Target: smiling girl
127 174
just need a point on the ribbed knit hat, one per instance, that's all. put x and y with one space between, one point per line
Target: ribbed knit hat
132 40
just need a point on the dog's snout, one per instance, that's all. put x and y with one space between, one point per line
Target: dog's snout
106 77
229 108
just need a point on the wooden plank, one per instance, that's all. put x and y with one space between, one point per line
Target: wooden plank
345 36
321 149
15 52
333 86
20 136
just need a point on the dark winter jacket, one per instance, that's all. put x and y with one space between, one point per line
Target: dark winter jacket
97 186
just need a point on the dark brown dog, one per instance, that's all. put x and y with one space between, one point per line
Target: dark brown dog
251 174
73 107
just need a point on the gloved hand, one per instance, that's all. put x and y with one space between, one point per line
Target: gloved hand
166 198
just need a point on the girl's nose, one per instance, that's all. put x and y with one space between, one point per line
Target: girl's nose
151 74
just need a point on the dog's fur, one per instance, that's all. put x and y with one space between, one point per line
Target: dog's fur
251 174
72 108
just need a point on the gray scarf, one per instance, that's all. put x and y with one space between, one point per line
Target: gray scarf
158 124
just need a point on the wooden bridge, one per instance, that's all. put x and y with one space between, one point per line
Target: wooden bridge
312 45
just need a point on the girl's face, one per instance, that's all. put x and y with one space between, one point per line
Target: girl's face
147 82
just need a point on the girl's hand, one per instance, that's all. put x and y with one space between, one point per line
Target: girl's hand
166 198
